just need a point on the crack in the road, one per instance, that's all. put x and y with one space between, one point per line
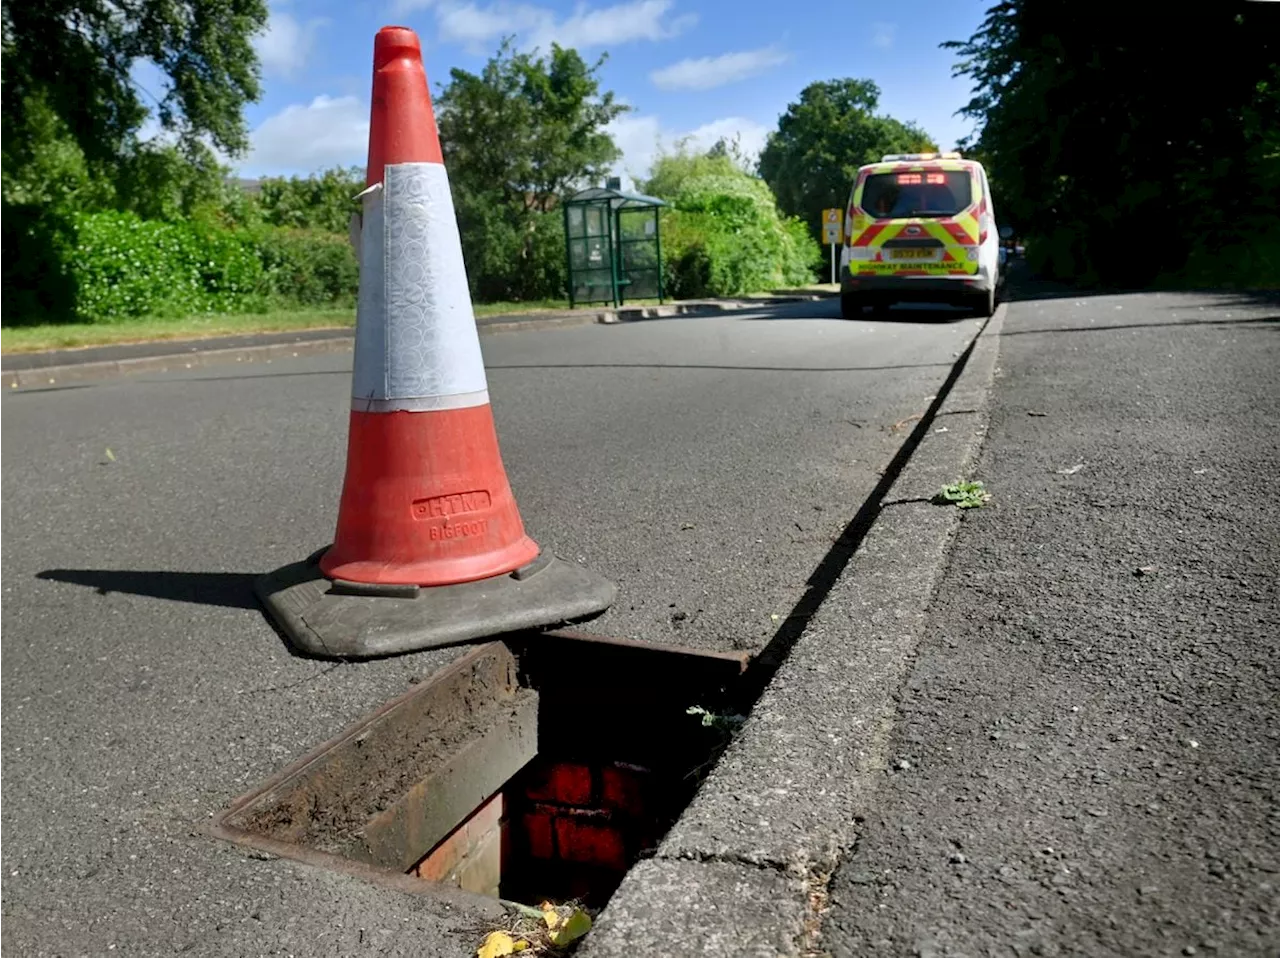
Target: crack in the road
817 904
730 858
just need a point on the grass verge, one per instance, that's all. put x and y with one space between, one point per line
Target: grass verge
27 339
147 329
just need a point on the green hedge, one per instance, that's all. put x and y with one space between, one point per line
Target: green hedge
1245 258
123 266
511 254
307 267
112 266
725 238
722 234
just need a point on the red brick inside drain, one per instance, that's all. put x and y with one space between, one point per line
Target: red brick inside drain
565 783
539 834
591 842
622 789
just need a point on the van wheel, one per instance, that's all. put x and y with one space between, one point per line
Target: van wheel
850 306
984 304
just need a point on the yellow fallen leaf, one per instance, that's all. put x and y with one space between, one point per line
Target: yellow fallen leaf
550 916
499 943
570 927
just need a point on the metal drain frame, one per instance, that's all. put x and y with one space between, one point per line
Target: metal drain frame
732 664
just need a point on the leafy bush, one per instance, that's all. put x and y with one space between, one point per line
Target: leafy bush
512 254
125 266
323 202
542 264
725 236
117 265
307 267
1246 258
37 284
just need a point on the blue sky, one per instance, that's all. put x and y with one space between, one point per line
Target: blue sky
699 68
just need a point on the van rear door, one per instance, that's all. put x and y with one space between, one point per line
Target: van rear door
915 220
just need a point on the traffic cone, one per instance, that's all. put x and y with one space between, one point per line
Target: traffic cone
426 511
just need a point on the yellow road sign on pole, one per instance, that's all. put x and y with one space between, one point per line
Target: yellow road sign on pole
832 227
833 234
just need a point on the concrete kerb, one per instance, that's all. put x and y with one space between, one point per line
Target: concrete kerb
187 354
94 371
631 314
787 797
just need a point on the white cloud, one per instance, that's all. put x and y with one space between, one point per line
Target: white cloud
473 26
327 132
611 26
285 46
751 135
882 34
478 27
705 73
642 139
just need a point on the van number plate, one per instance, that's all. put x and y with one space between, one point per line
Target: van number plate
913 253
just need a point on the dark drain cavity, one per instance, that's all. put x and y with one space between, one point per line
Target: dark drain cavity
536 768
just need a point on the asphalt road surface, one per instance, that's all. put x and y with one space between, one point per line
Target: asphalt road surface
703 464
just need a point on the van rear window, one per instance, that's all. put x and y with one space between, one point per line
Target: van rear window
921 193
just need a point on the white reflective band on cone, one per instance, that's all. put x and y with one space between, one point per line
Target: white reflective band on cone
417 347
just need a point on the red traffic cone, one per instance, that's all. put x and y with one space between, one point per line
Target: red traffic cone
426 500
426 509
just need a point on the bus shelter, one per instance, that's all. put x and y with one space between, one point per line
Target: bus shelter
613 244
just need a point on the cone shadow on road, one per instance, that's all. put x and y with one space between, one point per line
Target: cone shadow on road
232 590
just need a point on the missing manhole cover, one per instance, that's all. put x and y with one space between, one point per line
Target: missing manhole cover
531 769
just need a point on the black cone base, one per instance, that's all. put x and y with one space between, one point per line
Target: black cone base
343 620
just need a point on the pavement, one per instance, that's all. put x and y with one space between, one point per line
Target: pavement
1085 756
752 482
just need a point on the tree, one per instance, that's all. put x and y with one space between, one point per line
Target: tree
323 202
68 84
732 148
516 138
527 126
673 170
1116 168
811 159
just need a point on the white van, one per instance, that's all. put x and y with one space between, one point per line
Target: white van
920 227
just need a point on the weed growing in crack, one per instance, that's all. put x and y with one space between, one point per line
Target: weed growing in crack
963 495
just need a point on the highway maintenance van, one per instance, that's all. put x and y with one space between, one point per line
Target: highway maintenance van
920 227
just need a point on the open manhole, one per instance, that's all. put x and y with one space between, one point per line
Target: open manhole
533 768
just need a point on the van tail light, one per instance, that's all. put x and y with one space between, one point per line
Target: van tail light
984 227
